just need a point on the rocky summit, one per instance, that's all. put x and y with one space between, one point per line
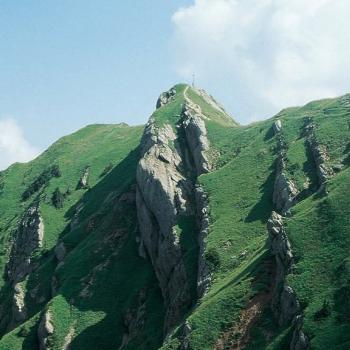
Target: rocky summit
189 233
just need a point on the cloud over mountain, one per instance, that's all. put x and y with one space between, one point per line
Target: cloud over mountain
272 53
13 145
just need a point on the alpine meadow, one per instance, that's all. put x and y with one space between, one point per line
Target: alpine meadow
192 232
175 175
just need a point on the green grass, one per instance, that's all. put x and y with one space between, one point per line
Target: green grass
321 242
208 110
103 276
95 146
170 113
240 200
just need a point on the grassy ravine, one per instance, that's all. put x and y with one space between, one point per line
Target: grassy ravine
103 276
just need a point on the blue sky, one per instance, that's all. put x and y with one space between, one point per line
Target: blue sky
65 64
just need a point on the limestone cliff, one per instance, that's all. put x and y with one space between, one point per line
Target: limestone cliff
45 330
162 195
28 237
170 161
285 190
286 304
196 137
204 276
319 153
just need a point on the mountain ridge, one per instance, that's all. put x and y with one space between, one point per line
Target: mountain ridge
185 234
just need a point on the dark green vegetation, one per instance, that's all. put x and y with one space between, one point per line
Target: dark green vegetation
41 181
102 295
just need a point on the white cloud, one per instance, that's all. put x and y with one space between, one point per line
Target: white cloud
268 54
13 145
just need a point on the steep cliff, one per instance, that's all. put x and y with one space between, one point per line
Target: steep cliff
173 154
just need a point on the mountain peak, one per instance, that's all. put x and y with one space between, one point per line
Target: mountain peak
183 94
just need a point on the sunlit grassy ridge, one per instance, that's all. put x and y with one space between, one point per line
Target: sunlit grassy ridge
103 278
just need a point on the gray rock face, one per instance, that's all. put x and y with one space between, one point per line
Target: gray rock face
162 194
160 181
319 153
299 339
289 305
45 330
286 304
68 339
279 245
18 306
184 339
196 136
28 238
204 276
277 126
84 180
165 190
210 100
285 190
165 97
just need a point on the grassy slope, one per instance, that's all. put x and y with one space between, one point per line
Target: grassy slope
244 157
105 240
240 198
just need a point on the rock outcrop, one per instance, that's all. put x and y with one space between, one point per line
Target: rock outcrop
204 275
299 339
280 246
28 237
165 97
196 136
68 339
285 190
277 126
186 330
45 330
319 153
210 100
162 195
286 304
289 305
166 177
18 305
84 180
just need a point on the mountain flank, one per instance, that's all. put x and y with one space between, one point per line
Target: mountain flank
192 232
